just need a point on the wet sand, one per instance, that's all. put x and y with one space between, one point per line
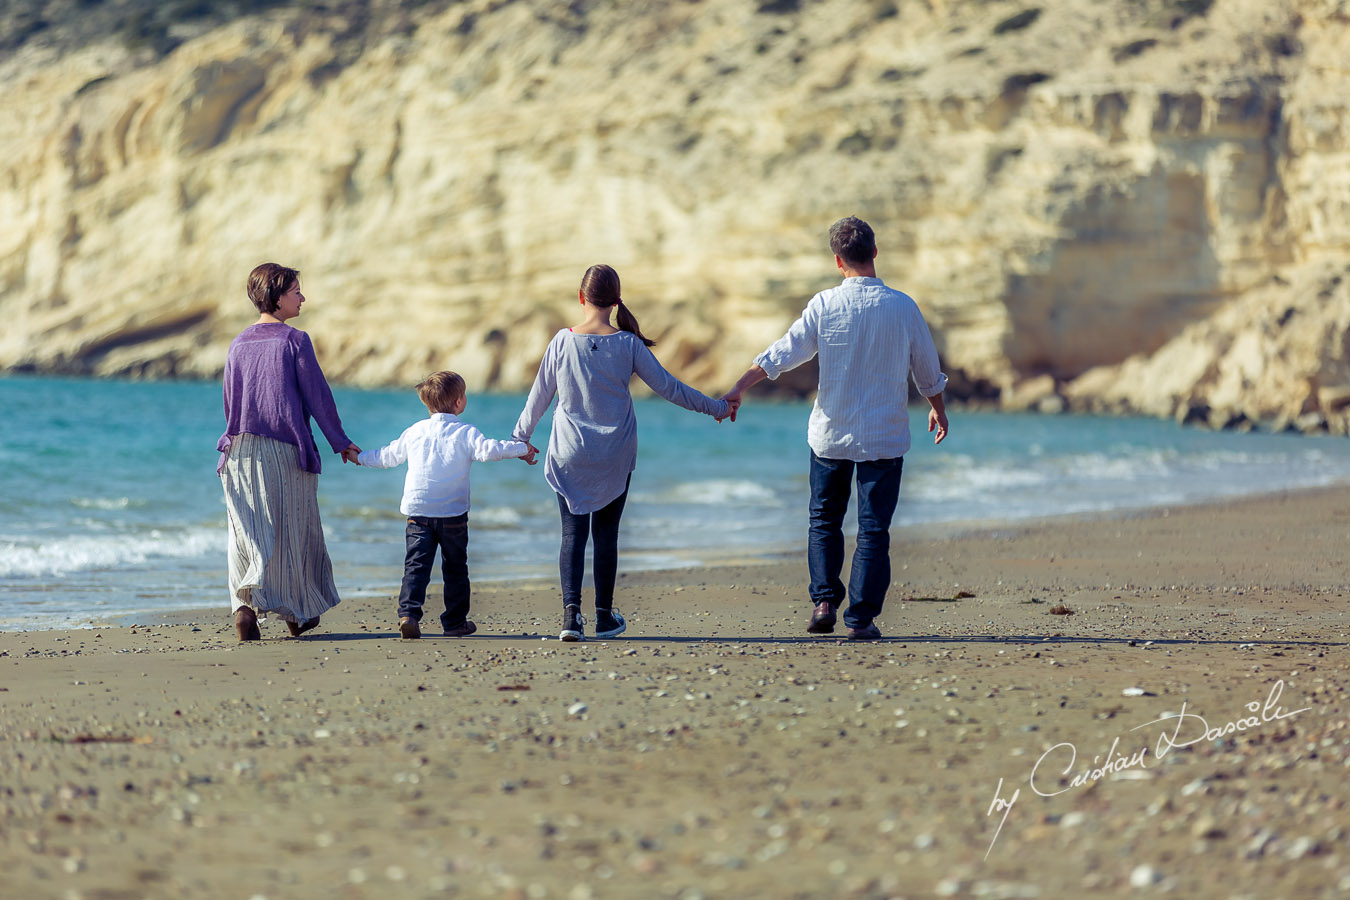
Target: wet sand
716 750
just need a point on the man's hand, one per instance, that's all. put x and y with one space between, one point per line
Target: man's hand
753 376
350 453
937 420
529 457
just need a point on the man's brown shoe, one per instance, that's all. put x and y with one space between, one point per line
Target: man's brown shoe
408 629
822 618
870 633
463 629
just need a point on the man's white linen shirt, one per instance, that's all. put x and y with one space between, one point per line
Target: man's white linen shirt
870 339
439 451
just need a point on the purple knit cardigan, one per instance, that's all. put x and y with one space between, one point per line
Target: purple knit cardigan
273 385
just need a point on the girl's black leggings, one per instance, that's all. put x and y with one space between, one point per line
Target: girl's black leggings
603 525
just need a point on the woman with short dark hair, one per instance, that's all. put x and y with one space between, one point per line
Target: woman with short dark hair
269 463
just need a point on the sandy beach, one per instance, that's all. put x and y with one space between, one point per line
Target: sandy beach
1182 731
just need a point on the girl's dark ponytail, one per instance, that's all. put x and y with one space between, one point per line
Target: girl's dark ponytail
600 287
629 323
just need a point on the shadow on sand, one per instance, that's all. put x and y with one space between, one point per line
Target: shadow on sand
935 639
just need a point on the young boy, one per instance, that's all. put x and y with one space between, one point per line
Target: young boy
439 451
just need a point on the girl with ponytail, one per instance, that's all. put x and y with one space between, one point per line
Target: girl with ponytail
592 448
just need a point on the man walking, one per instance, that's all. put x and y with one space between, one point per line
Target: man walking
870 340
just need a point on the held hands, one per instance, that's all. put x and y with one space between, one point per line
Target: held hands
529 457
733 398
937 420
350 453
753 376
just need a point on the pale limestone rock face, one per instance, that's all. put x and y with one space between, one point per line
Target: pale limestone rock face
1109 206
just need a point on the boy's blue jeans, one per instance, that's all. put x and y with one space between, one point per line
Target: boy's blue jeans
878 494
424 535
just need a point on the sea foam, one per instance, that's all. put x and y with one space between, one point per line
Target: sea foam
66 555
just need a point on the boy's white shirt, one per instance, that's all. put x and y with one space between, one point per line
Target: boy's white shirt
439 451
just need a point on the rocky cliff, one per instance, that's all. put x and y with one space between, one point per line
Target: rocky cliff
1100 205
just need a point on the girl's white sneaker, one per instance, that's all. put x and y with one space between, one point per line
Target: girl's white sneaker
574 624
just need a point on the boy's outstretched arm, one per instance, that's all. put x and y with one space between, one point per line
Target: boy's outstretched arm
386 457
486 449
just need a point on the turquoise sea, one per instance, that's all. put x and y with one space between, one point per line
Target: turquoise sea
109 502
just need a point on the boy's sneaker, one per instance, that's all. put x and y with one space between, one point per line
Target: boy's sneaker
609 623
463 629
409 629
573 624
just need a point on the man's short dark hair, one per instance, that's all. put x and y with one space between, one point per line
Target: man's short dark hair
852 240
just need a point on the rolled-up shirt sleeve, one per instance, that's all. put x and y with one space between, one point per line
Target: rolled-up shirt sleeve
799 345
924 366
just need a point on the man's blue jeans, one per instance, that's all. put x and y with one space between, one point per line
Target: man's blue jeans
878 493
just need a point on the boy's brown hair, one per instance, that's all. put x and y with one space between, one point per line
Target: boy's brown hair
441 391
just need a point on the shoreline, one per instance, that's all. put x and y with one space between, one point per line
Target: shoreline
1184 729
914 536
145 550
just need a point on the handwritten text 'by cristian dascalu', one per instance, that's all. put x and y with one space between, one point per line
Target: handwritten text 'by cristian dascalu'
1181 730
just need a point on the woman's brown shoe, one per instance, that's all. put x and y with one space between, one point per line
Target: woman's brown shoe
299 628
246 624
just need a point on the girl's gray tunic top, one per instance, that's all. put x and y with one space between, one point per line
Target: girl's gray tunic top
592 448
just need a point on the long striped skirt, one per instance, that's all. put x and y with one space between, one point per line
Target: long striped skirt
278 564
